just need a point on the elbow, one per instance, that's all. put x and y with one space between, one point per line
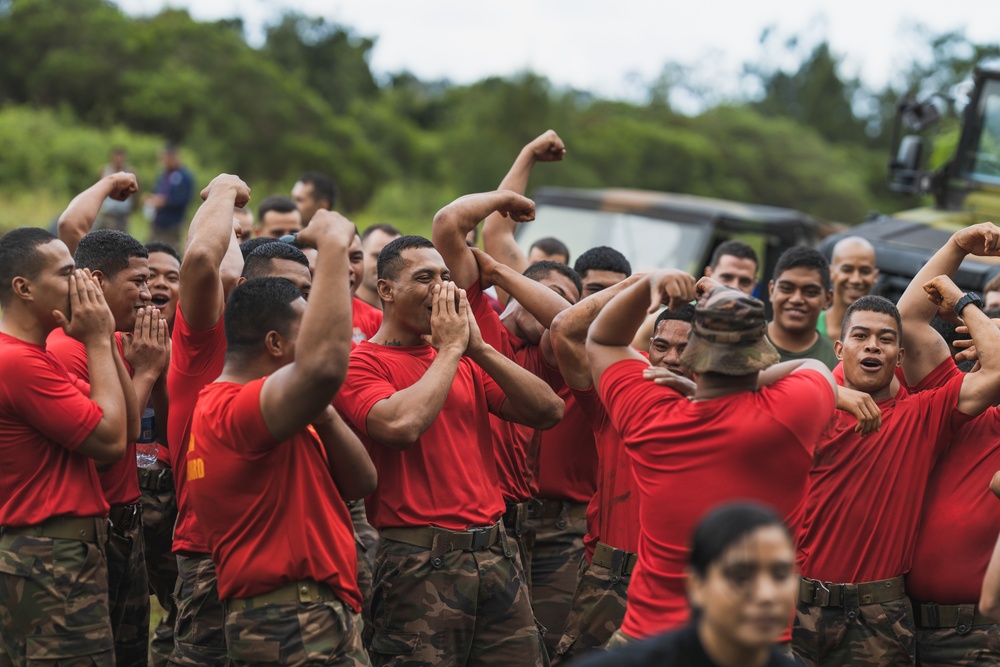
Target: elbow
548 413
365 484
399 435
110 453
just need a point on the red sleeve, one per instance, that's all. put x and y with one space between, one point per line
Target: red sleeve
939 411
71 352
53 404
495 396
492 329
244 422
194 350
629 399
366 384
803 402
940 376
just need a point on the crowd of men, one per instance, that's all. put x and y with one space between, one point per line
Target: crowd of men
384 449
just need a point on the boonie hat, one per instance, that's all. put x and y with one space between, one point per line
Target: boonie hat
727 335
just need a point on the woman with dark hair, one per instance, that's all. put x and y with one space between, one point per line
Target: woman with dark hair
741 585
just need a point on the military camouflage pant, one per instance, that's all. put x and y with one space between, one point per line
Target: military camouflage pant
159 513
597 612
618 639
867 635
365 541
199 637
461 608
128 595
555 567
947 647
53 603
322 633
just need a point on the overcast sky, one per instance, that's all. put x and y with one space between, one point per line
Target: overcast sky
617 48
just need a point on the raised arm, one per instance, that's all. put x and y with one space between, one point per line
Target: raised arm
540 301
981 389
569 334
399 420
925 349
147 351
610 336
498 231
350 466
460 217
210 244
93 325
79 216
295 395
530 400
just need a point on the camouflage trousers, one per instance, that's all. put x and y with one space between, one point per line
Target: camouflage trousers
54 602
618 639
199 637
365 541
159 513
597 611
865 635
128 591
555 568
447 608
523 532
979 646
295 633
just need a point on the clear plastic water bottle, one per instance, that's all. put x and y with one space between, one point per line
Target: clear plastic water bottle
146 448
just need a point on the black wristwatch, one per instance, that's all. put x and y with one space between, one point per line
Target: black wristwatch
970 297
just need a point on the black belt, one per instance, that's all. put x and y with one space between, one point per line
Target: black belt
125 518
962 617
620 562
516 517
827 594
84 529
156 480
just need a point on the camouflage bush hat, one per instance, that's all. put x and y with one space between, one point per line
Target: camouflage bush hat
727 335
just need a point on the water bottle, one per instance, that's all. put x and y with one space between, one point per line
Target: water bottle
146 448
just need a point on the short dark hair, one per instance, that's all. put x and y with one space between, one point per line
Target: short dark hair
993 285
550 245
276 203
108 251
602 258
323 186
19 256
542 269
871 303
390 260
683 314
725 526
383 227
250 245
253 309
164 247
258 262
804 257
736 249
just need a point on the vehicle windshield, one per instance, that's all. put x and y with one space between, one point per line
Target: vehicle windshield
648 243
984 156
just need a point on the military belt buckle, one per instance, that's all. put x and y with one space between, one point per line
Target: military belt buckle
481 538
821 594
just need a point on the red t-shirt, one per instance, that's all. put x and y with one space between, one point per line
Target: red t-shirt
958 525
45 414
863 501
365 319
119 482
690 456
447 478
196 359
613 513
270 510
515 445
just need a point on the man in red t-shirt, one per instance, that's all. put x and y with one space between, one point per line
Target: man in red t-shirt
53 428
275 464
120 264
747 431
613 515
449 588
864 494
213 265
544 289
958 523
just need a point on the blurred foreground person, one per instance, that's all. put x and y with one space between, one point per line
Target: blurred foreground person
741 586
